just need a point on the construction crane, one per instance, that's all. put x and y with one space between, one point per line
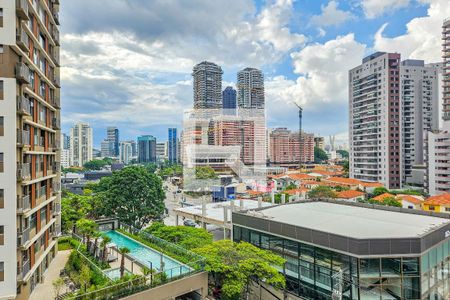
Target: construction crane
300 111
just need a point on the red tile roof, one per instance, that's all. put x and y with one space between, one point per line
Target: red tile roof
294 191
443 199
383 196
409 198
342 180
349 194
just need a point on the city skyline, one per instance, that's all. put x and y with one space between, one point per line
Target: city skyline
298 50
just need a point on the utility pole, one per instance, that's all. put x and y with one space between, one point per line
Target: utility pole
300 111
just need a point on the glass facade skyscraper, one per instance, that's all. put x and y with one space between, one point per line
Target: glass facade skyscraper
173 145
146 149
229 98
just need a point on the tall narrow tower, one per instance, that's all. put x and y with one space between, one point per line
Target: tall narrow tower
207 78
250 88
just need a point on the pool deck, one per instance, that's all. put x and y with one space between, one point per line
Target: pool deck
129 265
45 290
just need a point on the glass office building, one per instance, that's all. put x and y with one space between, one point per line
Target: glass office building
325 265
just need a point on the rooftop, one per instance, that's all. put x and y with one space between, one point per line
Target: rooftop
348 194
442 199
353 221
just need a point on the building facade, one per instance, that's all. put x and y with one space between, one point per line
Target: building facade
348 251
126 152
319 142
285 148
161 151
173 145
30 142
420 110
250 88
147 149
437 179
80 144
375 125
229 99
112 136
207 80
65 151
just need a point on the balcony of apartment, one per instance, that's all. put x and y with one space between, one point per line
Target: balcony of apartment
55 101
41 195
56 81
23 203
23 237
23 269
56 209
23 171
56 187
23 105
23 138
22 9
22 73
55 56
22 40
55 14
56 124
55 35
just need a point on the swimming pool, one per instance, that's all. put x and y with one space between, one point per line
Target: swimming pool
114 273
148 256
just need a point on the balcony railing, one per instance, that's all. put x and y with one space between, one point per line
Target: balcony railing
23 203
56 81
57 209
23 171
55 16
23 137
23 270
55 56
23 237
55 124
42 191
22 73
56 167
23 105
56 187
22 9
22 40
55 36
55 102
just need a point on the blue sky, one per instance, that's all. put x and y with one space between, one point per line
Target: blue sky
127 63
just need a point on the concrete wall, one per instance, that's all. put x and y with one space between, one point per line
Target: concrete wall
176 288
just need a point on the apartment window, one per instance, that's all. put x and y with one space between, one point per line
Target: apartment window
2 198
447 209
1 162
431 207
2 271
2 128
2 237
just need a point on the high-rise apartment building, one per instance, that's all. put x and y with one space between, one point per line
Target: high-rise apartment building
172 145
80 144
375 123
319 142
285 148
229 99
126 152
161 151
420 110
65 151
250 88
146 149
207 79
112 136
30 144
437 179
105 148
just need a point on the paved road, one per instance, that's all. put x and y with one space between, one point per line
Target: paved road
173 200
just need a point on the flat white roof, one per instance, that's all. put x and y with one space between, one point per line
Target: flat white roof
214 211
352 221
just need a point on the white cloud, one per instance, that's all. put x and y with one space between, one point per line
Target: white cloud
323 70
422 39
321 33
331 15
376 8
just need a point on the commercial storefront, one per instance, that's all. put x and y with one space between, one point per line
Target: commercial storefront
345 251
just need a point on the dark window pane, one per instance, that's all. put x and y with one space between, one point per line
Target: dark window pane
265 241
411 288
390 267
236 233
369 268
410 266
254 238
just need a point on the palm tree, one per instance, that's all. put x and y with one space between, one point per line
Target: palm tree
123 251
105 240
86 228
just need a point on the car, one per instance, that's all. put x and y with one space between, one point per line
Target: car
189 223
179 191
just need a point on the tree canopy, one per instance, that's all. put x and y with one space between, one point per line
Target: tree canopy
133 195
234 265
343 153
319 155
185 236
97 164
379 190
321 192
205 172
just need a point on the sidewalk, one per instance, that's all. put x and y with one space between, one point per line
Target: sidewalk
45 289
